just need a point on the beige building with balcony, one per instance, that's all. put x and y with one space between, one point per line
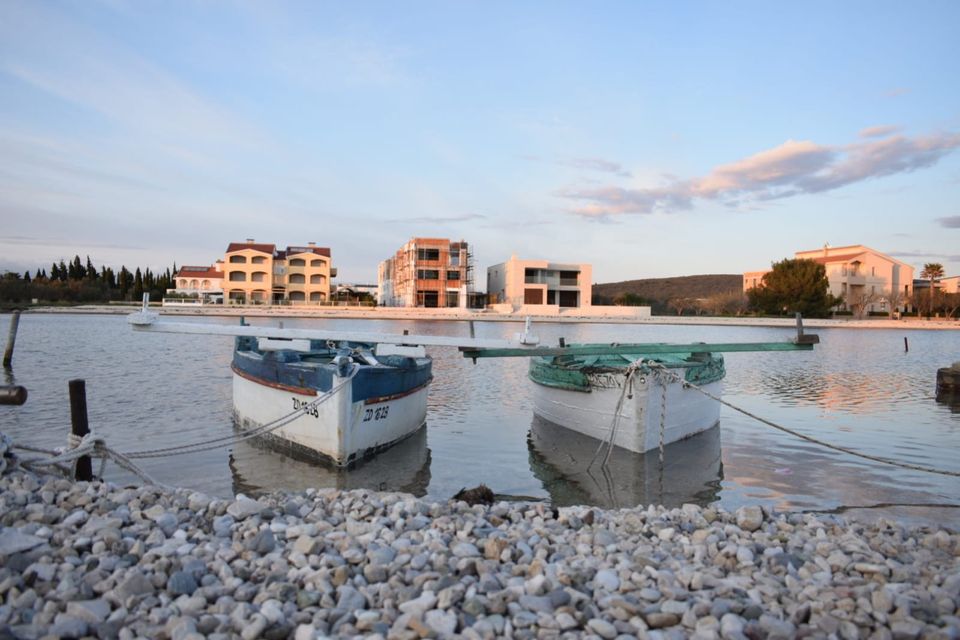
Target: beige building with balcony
856 272
257 273
539 282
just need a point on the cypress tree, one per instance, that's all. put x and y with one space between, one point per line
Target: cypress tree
137 285
64 273
54 272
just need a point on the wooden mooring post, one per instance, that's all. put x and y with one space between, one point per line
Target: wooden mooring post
79 426
11 338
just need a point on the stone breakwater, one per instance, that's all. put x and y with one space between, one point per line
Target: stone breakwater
99 560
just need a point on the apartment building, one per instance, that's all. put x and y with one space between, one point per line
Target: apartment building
856 272
539 282
202 282
258 273
427 272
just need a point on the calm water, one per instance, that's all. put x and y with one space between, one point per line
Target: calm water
858 389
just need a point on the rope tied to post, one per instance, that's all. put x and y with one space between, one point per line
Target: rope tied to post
94 445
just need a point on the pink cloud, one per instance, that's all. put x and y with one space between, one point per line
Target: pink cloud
792 168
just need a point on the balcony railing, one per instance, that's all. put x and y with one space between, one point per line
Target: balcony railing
569 282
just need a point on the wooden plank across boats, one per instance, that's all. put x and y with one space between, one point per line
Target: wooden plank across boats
522 345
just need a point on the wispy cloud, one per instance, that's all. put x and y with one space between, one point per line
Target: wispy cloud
438 219
950 222
586 163
926 255
599 164
44 49
879 131
792 168
896 92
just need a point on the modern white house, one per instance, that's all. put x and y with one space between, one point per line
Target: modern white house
856 273
532 283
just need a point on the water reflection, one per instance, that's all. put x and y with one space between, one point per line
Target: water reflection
691 472
405 467
951 399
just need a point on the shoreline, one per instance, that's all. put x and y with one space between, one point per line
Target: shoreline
97 559
397 313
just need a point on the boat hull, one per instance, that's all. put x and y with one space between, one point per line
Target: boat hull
591 411
339 429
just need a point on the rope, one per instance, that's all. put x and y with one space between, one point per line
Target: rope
216 443
95 446
627 383
835 447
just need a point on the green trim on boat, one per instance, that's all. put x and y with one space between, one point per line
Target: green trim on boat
585 373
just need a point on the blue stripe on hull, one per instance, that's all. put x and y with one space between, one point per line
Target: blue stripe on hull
398 375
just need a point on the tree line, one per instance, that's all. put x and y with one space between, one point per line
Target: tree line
799 285
78 281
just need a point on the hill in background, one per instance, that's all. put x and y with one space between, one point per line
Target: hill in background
657 291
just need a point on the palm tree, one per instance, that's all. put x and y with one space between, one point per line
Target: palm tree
932 271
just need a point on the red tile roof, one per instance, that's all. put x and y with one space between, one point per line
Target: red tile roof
262 248
842 257
199 272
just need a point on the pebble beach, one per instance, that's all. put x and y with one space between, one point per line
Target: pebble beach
98 560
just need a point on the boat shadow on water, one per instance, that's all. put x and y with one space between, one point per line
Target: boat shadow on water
692 470
258 467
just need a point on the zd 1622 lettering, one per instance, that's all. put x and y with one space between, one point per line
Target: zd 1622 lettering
375 414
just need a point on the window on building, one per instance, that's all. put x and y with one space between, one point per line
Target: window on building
569 298
238 276
258 276
238 259
298 262
453 299
318 263
428 254
428 274
297 278
428 299
258 260
317 279
453 275
455 256
297 296
317 296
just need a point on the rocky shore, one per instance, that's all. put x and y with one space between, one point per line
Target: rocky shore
99 560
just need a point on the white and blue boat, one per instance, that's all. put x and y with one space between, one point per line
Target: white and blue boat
353 399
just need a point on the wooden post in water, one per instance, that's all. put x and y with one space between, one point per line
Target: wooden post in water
79 426
11 338
906 345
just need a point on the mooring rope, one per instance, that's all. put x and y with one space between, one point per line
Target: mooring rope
216 443
905 465
94 445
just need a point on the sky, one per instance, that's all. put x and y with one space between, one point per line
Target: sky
648 139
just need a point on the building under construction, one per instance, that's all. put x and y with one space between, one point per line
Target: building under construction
427 272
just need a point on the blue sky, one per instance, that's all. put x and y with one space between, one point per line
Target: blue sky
649 139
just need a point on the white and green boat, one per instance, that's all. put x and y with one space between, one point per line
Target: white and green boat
635 396
586 394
